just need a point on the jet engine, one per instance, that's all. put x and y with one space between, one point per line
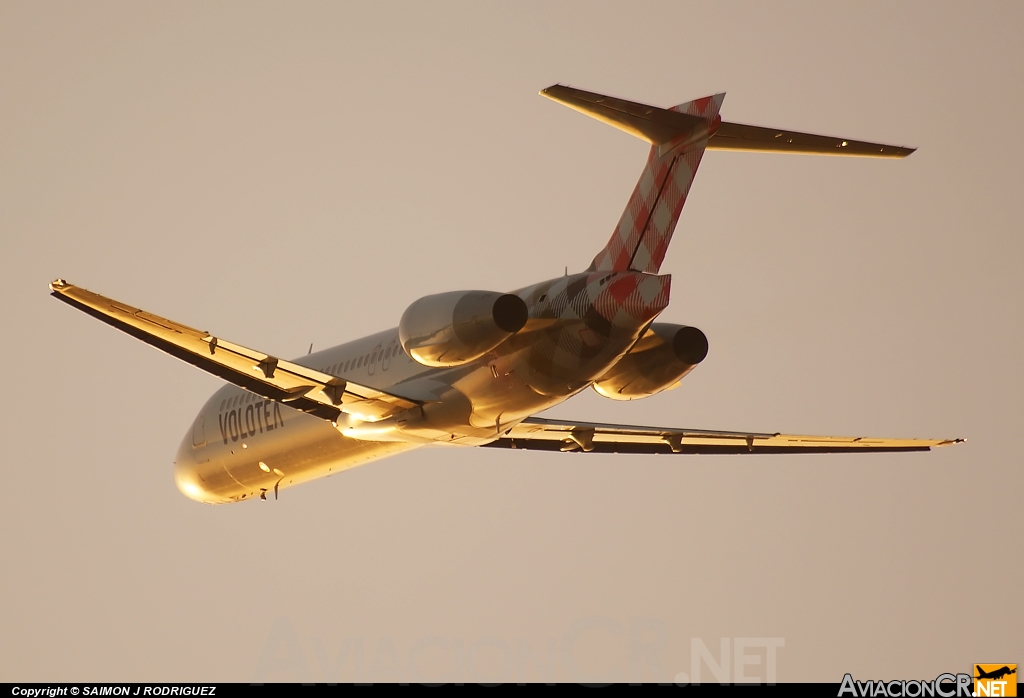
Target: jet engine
450 329
656 362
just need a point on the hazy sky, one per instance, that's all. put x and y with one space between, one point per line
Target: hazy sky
288 173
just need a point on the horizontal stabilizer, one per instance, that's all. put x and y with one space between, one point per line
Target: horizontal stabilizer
730 136
661 126
535 433
300 387
652 124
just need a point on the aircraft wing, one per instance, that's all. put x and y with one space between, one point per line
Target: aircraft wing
556 435
303 388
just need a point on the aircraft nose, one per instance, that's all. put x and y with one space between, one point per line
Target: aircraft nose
186 475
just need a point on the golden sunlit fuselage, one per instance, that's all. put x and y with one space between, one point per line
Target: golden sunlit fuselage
243 446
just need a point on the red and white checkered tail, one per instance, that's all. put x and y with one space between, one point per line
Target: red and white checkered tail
678 137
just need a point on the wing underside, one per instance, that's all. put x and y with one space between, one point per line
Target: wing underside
303 388
540 434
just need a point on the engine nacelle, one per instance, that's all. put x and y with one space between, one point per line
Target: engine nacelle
663 355
450 329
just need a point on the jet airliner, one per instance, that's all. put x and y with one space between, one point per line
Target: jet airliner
473 368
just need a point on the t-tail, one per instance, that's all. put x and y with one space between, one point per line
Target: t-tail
678 137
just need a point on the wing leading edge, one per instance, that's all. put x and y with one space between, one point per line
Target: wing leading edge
303 388
540 434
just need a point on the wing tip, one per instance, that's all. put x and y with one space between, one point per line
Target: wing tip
547 91
898 151
58 285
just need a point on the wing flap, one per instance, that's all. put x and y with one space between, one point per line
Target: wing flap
303 388
536 433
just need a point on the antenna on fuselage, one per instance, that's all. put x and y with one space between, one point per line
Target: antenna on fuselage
310 349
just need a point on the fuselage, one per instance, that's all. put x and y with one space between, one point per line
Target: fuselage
242 446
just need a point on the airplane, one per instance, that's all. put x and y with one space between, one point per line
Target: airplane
474 368
996 674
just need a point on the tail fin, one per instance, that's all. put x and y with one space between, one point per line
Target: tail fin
678 137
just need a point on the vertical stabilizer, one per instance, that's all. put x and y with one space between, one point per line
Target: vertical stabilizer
678 137
641 238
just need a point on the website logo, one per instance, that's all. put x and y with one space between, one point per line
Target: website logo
995 680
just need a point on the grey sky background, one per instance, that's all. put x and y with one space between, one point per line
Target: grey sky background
281 174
